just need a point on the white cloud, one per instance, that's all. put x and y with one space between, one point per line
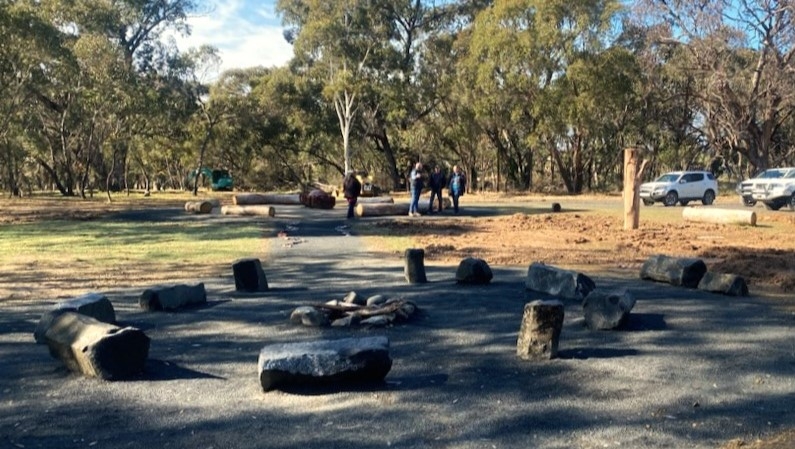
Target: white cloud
247 34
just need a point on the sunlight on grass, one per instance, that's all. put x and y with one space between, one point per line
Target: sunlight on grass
106 242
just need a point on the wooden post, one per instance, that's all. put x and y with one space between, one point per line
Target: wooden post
633 173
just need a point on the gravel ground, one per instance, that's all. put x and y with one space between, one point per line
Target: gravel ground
692 370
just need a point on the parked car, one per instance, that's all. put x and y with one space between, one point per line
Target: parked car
746 188
680 187
777 193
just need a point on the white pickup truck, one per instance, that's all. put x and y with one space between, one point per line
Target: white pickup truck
746 188
777 192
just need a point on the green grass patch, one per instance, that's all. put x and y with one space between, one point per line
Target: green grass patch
110 242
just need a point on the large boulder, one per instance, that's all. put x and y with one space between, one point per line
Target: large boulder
539 333
605 310
680 271
473 271
96 349
173 297
324 362
249 276
555 281
725 283
95 305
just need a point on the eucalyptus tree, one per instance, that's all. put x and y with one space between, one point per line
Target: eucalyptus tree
740 53
343 43
27 42
88 106
520 52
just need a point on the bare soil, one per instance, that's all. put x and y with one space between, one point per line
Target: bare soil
596 242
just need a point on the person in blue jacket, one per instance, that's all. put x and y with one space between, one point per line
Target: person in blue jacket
415 184
457 186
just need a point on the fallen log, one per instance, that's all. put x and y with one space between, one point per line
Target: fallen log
377 200
258 209
96 349
366 209
720 216
199 207
243 199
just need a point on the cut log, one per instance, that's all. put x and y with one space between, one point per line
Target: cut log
173 297
244 199
366 209
97 349
95 305
720 216
199 207
377 200
414 268
261 210
381 210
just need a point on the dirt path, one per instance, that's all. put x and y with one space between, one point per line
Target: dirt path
692 370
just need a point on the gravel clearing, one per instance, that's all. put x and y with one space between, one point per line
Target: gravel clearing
692 370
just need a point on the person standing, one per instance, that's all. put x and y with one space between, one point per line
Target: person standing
415 183
351 188
457 186
436 183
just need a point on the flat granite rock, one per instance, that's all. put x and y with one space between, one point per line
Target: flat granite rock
324 362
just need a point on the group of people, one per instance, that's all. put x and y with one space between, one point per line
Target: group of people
456 187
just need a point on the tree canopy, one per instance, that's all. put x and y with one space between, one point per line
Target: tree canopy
523 94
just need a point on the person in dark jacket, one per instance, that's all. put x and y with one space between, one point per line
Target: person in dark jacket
436 183
457 186
351 188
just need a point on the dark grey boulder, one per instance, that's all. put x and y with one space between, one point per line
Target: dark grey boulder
325 362
473 271
725 283
679 271
555 281
95 305
173 297
96 349
249 276
604 310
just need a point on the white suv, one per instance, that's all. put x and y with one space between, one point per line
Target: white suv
680 187
746 188
776 193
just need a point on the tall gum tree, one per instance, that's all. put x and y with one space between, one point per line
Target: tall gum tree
341 43
521 50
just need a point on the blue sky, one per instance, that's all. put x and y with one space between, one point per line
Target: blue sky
247 33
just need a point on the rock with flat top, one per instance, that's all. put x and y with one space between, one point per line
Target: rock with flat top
555 281
539 333
324 362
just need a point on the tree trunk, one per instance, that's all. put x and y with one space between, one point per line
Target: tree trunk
633 173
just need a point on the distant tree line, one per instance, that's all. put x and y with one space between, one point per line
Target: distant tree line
524 94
